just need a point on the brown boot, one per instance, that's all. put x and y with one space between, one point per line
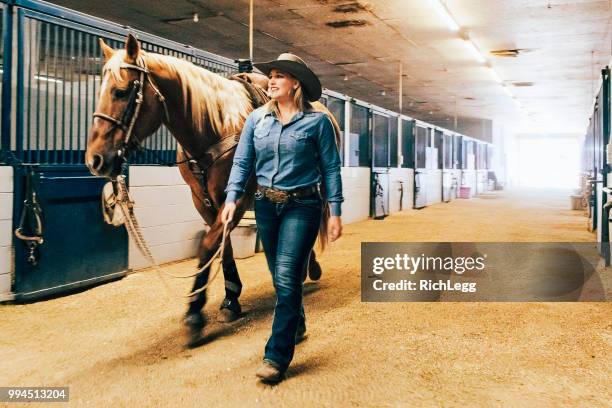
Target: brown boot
269 372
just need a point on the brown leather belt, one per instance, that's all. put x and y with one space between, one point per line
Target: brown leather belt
282 196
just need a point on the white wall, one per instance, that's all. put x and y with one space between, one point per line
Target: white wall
481 181
454 176
547 160
356 192
501 134
406 176
468 179
6 232
434 186
170 223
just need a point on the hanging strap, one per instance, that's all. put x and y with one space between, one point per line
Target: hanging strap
30 229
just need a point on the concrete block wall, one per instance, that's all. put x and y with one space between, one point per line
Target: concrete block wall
170 223
6 232
173 228
356 191
406 176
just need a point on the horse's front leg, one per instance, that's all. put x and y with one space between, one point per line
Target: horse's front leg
230 309
194 319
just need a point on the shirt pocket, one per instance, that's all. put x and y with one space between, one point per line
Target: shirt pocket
262 129
298 135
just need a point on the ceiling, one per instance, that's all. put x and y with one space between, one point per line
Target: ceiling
356 48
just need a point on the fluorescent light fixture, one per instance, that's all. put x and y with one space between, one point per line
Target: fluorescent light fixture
47 79
506 90
445 15
495 75
474 51
42 78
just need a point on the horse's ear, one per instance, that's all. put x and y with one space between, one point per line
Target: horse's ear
108 51
132 47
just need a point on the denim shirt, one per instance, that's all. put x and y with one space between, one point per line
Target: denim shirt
301 153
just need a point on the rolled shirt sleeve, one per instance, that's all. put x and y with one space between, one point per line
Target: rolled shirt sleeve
243 163
330 165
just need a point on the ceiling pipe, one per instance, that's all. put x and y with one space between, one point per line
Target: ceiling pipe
251 30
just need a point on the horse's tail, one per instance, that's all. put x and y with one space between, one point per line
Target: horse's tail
325 216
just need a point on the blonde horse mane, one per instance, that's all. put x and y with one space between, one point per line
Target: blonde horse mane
208 97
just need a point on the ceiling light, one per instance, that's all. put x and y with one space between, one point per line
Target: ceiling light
495 75
474 50
48 79
195 17
445 15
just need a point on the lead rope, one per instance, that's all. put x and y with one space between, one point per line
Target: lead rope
135 232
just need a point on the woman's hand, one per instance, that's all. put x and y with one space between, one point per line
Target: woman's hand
227 214
334 228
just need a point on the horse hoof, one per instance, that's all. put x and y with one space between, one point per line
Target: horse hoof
228 316
194 323
230 311
195 338
314 271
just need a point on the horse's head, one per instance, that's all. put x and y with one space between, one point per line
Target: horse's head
129 109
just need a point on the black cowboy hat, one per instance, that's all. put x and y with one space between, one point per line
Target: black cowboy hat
294 65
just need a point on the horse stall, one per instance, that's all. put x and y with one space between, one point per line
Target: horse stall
336 103
422 138
434 167
596 166
401 192
456 165
448 185
491 176
482 173
356 171
50 82
468 170
381 133
354 153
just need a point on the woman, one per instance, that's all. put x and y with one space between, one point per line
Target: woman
292 148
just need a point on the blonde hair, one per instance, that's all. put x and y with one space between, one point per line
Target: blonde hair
300 101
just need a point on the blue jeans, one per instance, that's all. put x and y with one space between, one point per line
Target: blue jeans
288 232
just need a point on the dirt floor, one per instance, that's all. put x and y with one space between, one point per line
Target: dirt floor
121 344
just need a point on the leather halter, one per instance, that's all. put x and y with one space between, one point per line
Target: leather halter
128 119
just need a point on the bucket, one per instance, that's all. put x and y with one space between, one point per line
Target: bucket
244 237
464 192
576 202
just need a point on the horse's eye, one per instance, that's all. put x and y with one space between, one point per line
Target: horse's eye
120 93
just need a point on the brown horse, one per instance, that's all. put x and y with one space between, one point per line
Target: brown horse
205 112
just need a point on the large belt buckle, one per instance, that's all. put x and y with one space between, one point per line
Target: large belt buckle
277 196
